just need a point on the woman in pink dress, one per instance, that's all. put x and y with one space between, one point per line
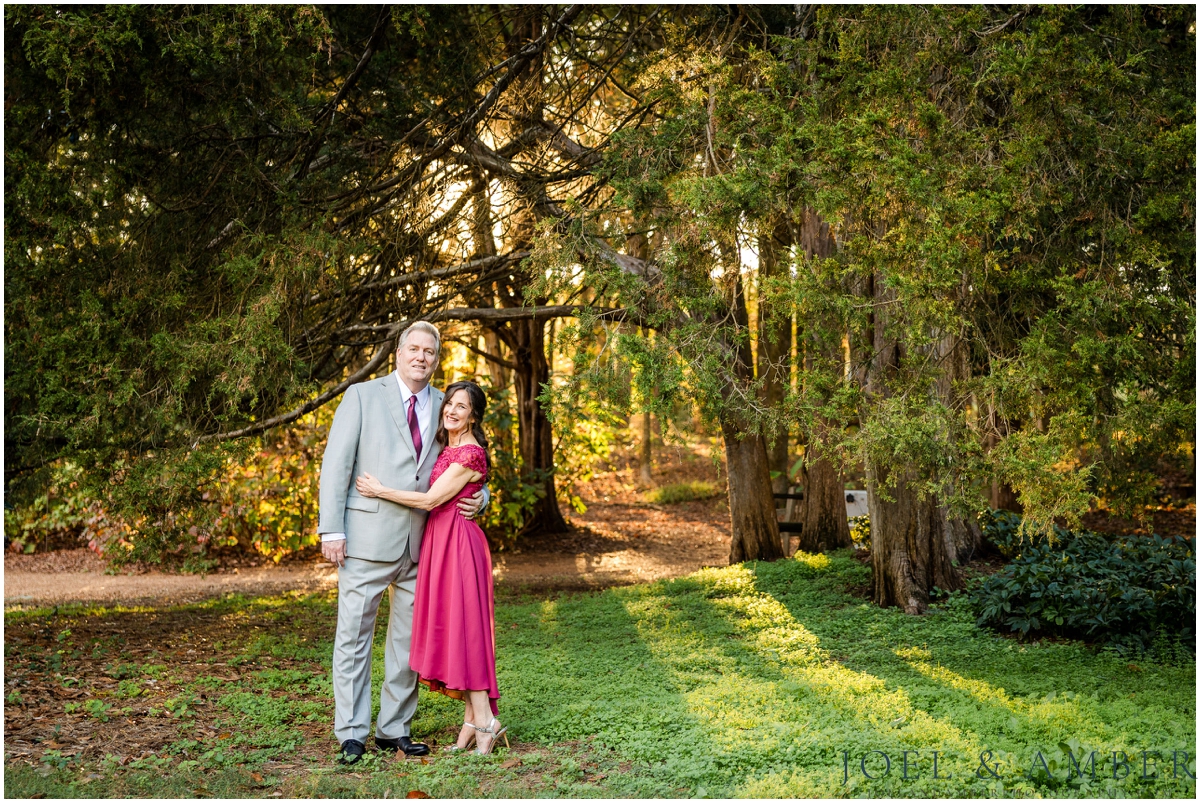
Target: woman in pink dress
453 635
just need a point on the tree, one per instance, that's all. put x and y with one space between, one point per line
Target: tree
1008 233
242 208
670 175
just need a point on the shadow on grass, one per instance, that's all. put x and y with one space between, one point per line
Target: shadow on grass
741 681
962 683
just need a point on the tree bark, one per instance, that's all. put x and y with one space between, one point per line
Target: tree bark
755 529
751 505
964 536
1001 495
637 246
824 510
645 453
535 435
909 548
774 351
526 338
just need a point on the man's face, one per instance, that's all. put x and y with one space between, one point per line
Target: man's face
416 360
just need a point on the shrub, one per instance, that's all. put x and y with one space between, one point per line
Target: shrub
860 530
60 515
1129 593
681 492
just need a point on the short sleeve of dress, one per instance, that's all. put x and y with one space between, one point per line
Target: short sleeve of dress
472 457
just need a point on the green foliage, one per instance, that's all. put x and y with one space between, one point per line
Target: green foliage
1014 274
586 429
62 512
169 227
681 492
860 530
1132 594
268 501
514 491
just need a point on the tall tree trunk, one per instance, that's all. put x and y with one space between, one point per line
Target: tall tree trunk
534 432
526 339
751 505
637 246
824 511
910 548
645 454
1001 495
963 535
755 529
774 349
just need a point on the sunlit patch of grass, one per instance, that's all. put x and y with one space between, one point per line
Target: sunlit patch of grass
682 492
817 562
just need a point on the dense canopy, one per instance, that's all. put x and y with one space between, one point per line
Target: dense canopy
952 246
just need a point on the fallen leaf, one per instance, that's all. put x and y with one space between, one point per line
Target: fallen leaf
512 762
257 778
416 794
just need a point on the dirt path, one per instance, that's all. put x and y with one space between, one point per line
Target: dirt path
34 581
620 540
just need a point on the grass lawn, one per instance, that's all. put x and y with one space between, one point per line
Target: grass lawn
758 680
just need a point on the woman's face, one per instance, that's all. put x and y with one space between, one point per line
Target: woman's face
456 415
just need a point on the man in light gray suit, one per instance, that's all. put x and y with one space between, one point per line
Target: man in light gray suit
384 427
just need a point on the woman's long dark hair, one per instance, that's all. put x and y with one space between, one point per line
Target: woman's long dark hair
478 402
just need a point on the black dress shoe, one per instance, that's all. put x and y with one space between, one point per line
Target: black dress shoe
352 751
405 744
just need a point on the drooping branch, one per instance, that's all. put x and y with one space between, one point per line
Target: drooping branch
325 116
391 332
492 358
447 272
379 358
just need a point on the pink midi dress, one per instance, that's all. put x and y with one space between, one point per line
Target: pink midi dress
453 634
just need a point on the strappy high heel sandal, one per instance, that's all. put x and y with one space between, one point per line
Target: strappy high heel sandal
494 733
454 748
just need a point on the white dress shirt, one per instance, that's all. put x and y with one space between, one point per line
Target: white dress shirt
424 397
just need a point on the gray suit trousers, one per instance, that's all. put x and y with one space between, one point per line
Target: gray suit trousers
361 584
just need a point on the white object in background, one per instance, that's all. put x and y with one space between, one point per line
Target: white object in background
856 504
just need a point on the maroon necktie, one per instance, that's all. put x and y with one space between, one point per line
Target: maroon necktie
413 426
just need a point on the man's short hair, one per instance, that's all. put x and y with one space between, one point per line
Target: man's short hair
421 326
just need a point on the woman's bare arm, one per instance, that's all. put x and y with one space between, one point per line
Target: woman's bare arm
446 488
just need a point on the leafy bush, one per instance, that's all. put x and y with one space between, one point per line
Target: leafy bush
268 502
681 492
1003 529
1133 594
61 516
264 498
514 492
860 530
55 517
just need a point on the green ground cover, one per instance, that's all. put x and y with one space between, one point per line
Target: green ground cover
759 680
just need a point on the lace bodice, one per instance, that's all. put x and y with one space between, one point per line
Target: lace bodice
468 455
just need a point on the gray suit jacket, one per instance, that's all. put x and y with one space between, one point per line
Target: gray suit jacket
370 433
